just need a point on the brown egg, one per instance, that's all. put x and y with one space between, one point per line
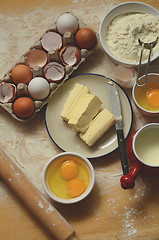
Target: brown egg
85 38
24 107
21 74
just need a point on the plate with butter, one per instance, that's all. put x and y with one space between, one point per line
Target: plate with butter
78 117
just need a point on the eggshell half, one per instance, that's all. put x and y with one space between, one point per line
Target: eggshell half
70 55
52 41
125 76
54 72
37 57
7 92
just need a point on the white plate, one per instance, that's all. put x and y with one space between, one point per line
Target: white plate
69 141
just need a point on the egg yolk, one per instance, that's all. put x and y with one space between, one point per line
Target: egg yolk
152 97
75 187
69 169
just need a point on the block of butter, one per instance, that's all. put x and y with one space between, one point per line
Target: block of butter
86 109
100 124
75 95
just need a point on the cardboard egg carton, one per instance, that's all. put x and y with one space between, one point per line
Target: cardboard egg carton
22 89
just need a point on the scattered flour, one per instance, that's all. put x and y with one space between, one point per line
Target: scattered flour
125 30
40 205
129 212
50 209
3 192
129 222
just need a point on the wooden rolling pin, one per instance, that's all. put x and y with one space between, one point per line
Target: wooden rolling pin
41 208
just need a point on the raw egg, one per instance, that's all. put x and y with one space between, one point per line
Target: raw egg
68 177
69 169
23 107
67 23
39 88
148 96
75 187
21 74
152 98
85 38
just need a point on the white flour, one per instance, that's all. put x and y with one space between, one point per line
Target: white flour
125 30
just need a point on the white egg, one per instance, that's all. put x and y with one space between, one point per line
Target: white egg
38 88
67 23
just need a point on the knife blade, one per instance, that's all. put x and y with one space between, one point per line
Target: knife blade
117 112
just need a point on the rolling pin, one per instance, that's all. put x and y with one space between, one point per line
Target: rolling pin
40 207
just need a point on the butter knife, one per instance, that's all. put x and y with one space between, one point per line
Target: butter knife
117 112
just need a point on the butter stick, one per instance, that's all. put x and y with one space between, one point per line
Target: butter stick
76 93
98 127
86 109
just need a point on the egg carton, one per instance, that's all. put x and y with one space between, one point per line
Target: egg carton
22 89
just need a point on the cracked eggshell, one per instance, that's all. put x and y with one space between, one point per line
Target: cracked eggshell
39 88
36 57
52 41
21 74
67 23
7 92
70 55
54 72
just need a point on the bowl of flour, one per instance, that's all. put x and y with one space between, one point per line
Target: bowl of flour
123 26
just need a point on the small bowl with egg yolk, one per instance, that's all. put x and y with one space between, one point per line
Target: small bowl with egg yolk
146 98
68 177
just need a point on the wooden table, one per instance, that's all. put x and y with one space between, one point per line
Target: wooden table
109 212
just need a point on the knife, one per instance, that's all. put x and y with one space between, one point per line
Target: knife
117 112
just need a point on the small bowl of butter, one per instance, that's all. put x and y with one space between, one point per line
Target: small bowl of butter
121 28
68 177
